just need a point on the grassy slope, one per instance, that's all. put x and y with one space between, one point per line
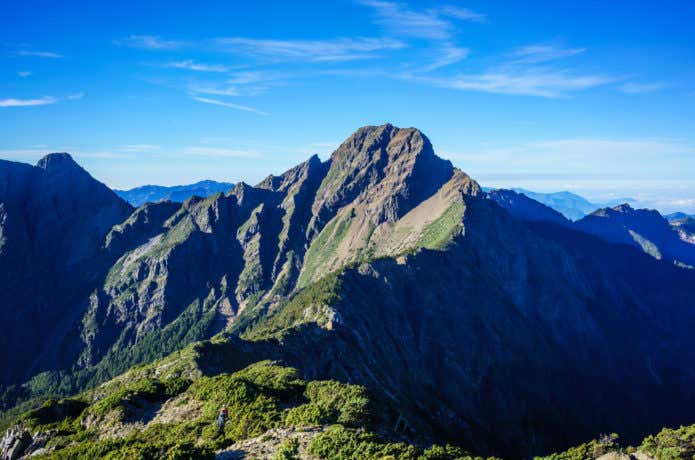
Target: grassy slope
261 397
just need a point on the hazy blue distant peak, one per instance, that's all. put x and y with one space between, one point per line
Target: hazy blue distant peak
569 204
152 193
678 216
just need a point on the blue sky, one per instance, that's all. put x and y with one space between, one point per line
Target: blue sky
592 97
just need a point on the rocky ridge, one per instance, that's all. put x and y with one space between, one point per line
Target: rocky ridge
385 266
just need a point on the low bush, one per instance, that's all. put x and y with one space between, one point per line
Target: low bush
671 444
288 450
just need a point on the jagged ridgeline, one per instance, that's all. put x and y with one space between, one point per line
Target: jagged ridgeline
384 267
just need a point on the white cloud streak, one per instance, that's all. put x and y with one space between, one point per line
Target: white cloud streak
433 24
641 88
464 14
343 49
150 42
197 66
12 102
543 83
43 54
228 105
217 90
579 157
543 52
45 100
24 74
140 148
219 152
447 55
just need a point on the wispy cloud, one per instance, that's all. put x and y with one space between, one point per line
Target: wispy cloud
531 82
343 49
246 83
641 88
140 148
216 90
543 52
582 146
35 153
579 156
44 54
46 100
464 14
220 152
197 66
447 55
24 74
228 104
335 50
434 24
150 42
628 167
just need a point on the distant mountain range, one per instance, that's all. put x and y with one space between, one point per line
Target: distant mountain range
153 193
488 320
676 216
645 229
571 205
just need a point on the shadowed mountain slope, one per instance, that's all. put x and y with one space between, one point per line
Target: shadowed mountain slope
53 219
495 326
643 228
521 206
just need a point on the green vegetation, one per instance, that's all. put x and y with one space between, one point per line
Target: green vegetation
151 390
671 444
260 397
341 443
323 249
438 233
116 420
307 305
288 450
587 451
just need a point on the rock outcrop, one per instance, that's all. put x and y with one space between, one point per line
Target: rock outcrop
14 443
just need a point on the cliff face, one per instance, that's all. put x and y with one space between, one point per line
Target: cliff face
488 322
53 220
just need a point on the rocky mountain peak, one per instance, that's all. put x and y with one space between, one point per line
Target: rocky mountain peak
370 142
384 170
625 207
56 162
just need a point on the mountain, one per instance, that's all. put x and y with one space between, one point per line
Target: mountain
569 204
521 206
480 322
678 216
153 193
643 228
53 219
685 228
168 410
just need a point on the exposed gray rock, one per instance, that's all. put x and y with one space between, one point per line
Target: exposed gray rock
14 443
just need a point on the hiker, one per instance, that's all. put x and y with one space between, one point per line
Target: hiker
222 418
